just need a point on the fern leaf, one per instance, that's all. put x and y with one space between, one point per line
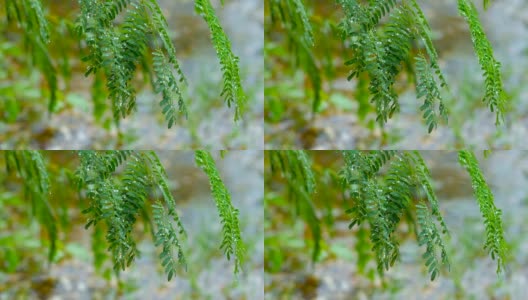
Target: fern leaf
380 232
382 200
430 237
495 242
108 204
232 243
160 179
373 203
426 88
400 183
425 33
232 90
120 52
167 237
161 26
119 201
376 10
379 53
424 179
494 97
167 85
165 234
296 166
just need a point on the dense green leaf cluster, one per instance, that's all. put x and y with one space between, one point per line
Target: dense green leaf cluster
381 199
383 189
381 52
119 50
118 201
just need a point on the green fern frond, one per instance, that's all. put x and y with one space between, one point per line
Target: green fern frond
369 204
426 88
430 237
115 188
380 229
120 49
107 205
232 243
377 159
232 90
30 166
356 168
398 190
306 60
167 85
299 18
379 53
425 33
424 180
167 237
120 52
114 8
495 242
160 26
380 35
293 15
377 9
119 201
374 204
306 27
133 40
494 97
382 200
159 177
